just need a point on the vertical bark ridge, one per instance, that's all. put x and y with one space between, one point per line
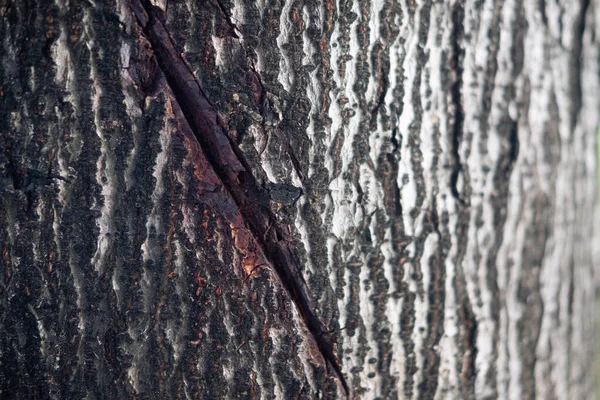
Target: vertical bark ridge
489 91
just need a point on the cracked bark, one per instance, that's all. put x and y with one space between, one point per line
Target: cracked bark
283 199
233 170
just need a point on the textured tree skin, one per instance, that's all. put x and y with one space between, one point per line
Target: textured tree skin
297 199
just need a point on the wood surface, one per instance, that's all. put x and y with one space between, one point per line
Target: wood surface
259 199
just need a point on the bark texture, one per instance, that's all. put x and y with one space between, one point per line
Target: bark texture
298 199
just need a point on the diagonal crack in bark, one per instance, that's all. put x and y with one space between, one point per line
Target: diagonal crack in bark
233 170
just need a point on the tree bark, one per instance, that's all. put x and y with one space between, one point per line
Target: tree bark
298 199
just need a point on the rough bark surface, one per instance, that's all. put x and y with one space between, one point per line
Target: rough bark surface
298 198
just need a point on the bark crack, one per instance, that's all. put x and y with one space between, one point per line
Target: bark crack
232 25
232 168
382 88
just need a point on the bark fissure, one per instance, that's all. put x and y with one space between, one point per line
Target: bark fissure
232 25
436 312
466 314
576 90
382 88
263 97
230 165
456 98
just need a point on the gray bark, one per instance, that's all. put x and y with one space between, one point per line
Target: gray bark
298 199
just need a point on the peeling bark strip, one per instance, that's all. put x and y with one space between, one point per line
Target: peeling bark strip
230 165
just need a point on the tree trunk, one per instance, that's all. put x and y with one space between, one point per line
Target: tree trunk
298 199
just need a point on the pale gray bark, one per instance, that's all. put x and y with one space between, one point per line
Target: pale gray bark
431 167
